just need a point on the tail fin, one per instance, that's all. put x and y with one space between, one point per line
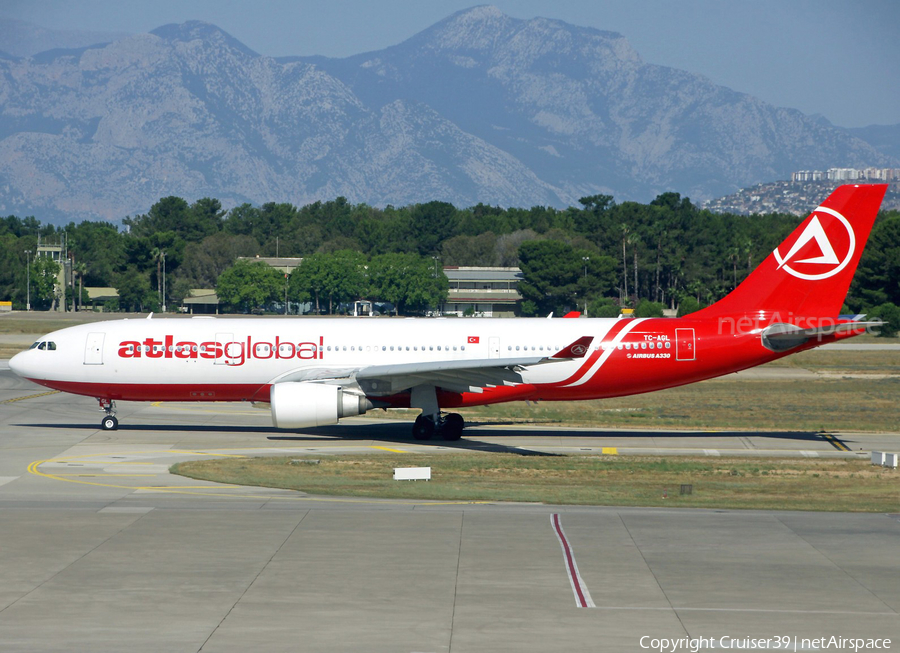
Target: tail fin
809 273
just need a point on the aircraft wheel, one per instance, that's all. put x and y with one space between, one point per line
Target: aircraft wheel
423 429
452 427
109 423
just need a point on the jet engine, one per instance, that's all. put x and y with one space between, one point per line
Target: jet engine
304 404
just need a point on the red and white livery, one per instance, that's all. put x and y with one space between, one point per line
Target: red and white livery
314 371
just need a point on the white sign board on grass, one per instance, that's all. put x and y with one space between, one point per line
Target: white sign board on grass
412 473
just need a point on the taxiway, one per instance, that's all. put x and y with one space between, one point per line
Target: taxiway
102 550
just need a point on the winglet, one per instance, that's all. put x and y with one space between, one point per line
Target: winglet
577 349
572 314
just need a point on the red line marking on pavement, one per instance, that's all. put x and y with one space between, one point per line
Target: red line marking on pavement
582 595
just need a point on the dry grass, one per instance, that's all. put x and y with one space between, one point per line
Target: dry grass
806 484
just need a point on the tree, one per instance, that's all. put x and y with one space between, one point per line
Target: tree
604 307
168 214
889 314
44 276
306 282
101 248
408 281
877 280
79 270
646 308
249 285
430 224
469 250
341 277
559 278
205 219
206 260
688 305
134 291
597 203
506 251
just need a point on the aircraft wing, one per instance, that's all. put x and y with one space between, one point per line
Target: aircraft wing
455 375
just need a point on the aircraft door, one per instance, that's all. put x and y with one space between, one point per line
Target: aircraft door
494 343
229 348
93 349
685 345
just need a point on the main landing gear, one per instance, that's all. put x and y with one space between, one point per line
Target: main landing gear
108 423
449 426
431 421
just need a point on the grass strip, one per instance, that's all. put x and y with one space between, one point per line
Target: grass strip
770 484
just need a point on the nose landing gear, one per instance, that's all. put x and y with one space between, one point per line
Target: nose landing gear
108 423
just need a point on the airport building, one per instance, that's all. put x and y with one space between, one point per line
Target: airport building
483 291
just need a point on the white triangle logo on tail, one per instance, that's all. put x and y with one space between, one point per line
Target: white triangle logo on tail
816 232
813 232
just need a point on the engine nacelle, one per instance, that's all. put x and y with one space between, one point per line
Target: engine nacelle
304 404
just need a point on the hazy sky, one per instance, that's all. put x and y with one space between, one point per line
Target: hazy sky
833 57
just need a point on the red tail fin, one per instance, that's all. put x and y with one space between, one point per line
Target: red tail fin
809 273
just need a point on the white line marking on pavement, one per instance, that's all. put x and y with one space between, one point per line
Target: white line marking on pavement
582 595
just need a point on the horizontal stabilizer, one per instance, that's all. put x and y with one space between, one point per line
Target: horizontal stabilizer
781 337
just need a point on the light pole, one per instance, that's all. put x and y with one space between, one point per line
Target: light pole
28 279
164 282
585 260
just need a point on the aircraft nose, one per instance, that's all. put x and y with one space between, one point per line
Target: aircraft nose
17 363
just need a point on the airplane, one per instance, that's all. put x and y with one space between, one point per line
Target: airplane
313 372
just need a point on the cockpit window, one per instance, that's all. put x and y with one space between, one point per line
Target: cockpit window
34 346
51 346
44 346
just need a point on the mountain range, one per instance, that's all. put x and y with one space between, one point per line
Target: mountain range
480 107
